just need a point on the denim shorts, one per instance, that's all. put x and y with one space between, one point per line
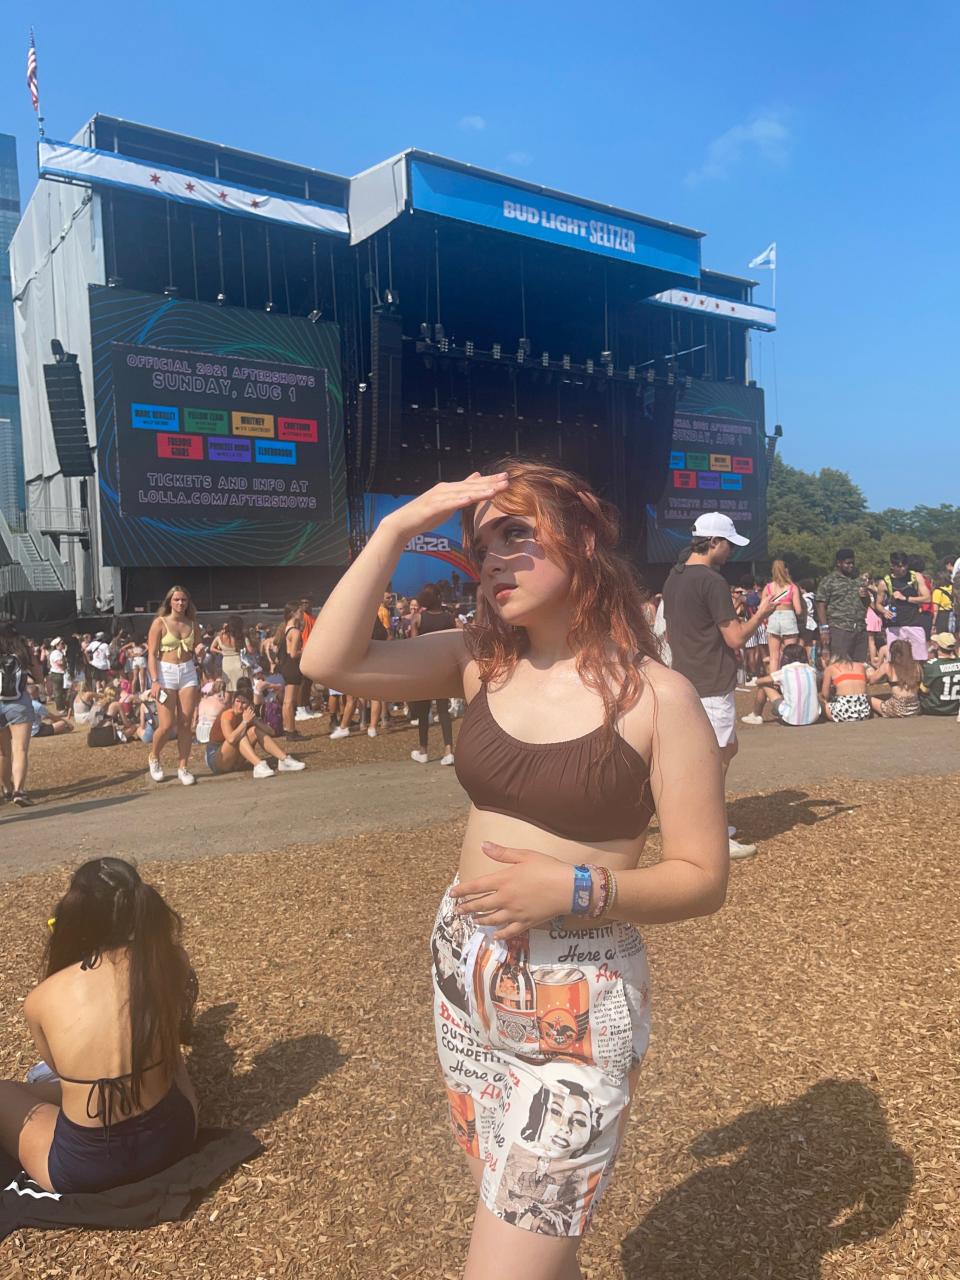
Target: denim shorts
19 711
783 622
538 1038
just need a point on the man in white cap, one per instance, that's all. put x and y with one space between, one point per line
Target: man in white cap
98 656
705 632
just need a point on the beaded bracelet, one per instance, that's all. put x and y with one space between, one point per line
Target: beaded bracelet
613 891
582 889
603 896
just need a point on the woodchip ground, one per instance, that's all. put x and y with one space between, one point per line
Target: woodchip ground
798 1114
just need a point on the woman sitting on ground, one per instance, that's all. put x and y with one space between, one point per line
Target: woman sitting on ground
903 672
107 1019
844 690
85 709
237 732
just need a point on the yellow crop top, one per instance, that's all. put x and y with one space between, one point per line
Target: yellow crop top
169 642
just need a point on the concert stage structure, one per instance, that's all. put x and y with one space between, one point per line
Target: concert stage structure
231 367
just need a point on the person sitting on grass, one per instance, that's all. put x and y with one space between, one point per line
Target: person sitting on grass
236 734
117 1105
210 708
46 723
844 688
791 691
940 689
902 671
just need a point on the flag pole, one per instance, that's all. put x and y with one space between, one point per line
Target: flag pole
33 83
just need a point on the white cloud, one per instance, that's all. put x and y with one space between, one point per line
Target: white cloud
519 158
765 136
475 123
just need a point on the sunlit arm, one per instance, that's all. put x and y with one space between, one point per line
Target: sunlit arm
687 780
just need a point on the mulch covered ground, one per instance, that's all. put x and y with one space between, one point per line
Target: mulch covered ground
798 1116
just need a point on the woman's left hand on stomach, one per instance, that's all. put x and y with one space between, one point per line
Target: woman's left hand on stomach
531 889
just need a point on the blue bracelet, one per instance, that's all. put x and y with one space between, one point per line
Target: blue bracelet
582 889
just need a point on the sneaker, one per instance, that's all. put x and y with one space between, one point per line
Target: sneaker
738 850
421 757
413 723
448 758
263 770
340 733
294 736
156 768
750 684
186 777
289 765
752 718
23 800
303 714
371 732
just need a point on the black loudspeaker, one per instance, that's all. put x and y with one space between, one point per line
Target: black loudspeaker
68 418
386 340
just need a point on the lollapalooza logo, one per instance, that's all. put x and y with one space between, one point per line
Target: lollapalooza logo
429 542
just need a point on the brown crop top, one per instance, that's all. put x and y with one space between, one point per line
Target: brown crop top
559 787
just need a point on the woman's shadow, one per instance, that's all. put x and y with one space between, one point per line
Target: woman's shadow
281 1074
811 1177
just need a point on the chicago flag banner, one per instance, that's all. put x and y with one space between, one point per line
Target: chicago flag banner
67 161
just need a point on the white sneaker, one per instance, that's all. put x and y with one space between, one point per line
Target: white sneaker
752 718
340 733
263 770
186 777
289 765
421 757
414 723
303 714
751 683
448 758
371 733
156 769
738 850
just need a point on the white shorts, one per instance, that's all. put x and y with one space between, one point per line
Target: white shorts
722 714
177 675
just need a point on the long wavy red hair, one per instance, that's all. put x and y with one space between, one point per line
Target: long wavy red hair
610 633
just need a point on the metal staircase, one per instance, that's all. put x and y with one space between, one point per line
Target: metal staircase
33 554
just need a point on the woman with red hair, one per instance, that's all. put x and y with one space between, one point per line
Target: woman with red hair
574 734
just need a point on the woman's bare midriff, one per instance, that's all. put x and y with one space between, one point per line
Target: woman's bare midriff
514 833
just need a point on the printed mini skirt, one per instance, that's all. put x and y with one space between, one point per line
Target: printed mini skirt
538 1040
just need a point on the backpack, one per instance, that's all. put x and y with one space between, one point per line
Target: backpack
103 735
272 715
13 678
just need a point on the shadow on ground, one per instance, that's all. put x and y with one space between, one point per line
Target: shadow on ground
279 1077
763 817
805 1178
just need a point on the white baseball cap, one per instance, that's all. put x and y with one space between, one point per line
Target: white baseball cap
714 524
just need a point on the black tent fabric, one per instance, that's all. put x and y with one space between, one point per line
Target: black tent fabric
162 1198
39 606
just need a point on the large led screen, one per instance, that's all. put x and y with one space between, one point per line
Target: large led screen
219 433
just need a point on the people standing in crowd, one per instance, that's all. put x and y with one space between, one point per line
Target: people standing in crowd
943 603
842 600
902 671
918 566
791 691
705 633
98 658
17 668
843 690
940 678
57 668
305 709
236 734
432 617
289 638
560 643
755 647
138 667
116 1000
900 594
876 642
174 684
46 723
75 663
341 727
783 625
229 644
810 631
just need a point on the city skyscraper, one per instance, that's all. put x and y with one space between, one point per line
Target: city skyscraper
12 498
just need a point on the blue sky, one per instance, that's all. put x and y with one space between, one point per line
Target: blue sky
832 129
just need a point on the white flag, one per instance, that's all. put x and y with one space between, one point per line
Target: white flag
766 259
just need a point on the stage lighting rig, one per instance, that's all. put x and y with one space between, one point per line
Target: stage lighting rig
425 331
545 360
566 363
221 299
631 373
115 282
521 354
589 366
497 350
469 347
606 357
439 333
315 316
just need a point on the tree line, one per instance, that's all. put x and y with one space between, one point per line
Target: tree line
810 515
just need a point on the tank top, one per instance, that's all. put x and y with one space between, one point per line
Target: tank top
438 621
560 787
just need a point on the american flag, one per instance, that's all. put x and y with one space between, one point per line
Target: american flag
32 74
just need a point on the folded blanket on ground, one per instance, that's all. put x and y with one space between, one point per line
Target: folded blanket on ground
162 1198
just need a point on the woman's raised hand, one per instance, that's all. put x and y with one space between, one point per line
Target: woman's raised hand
444 500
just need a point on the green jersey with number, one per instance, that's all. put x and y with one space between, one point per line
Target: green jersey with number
940 687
